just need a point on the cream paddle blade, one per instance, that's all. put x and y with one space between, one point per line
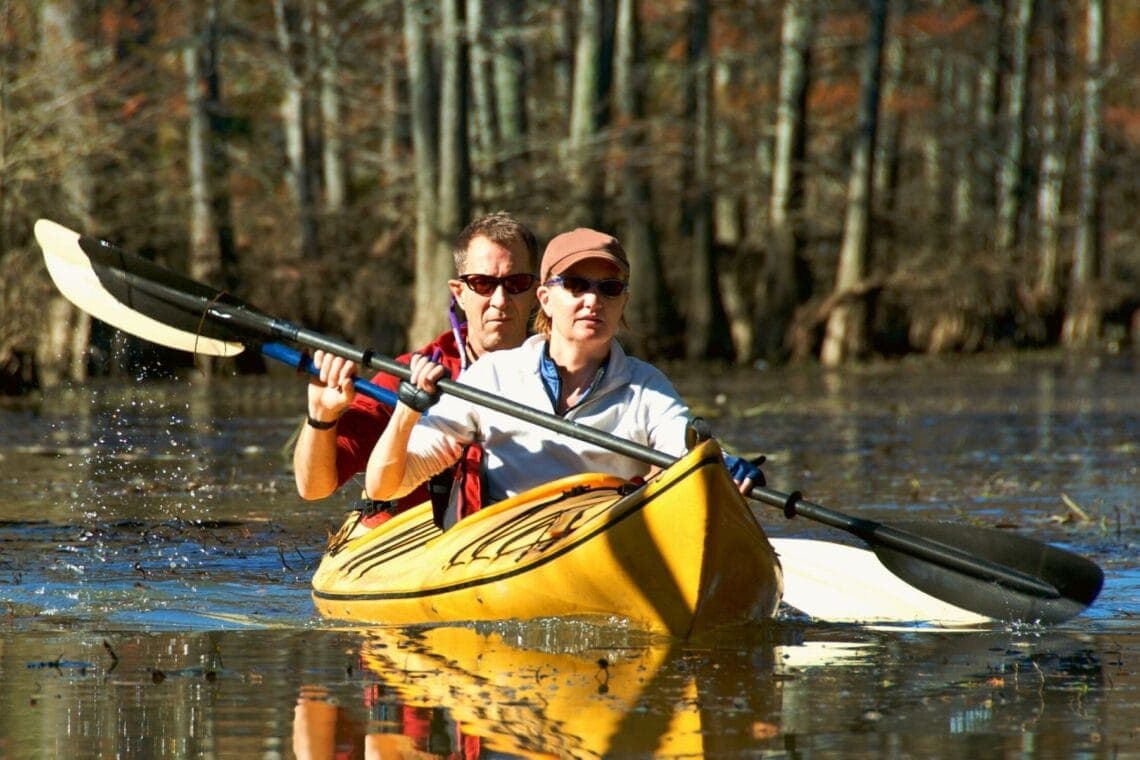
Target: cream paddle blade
100 279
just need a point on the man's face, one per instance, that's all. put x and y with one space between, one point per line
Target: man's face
498 320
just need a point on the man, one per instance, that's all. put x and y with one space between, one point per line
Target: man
495 260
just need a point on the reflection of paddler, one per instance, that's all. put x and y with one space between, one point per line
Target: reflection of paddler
323 730
531 702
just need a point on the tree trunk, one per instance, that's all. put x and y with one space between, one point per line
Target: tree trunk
1085 310
563 33
846 335
965 177
1053 139
295 39
650 309
7 76
510 79
211 256
398 110
887 149
706 329
734 270
454 191
939 75
332 160
728 202
779 294
484 126
425 127
1010 185
138 190
591 79
62 354
443 187
985 120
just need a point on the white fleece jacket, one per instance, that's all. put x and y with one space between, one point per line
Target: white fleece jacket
634 401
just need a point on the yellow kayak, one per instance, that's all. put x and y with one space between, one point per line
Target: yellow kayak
679 555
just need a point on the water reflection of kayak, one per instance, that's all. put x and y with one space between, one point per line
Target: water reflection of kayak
528 701
680 555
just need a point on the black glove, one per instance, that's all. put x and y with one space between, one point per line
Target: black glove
415 397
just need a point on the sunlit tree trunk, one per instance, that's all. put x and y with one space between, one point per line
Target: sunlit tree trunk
1084 310
332 143
779 288
62 354
295 39
443 174
1053 139
1010 184
846 334
650 307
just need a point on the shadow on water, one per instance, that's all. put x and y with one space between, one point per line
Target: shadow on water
155 564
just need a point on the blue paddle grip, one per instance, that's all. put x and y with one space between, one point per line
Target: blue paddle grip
304 363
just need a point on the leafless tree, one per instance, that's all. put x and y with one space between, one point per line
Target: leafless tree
846 336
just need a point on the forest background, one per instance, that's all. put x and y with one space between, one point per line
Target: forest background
828 180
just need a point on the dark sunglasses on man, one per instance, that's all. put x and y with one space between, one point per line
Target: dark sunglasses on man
486 284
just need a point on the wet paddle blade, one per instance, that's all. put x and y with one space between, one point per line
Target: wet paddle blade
124 290
1077 579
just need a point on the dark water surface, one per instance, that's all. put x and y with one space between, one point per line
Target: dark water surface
155 561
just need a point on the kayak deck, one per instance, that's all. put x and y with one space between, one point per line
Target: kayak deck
678 555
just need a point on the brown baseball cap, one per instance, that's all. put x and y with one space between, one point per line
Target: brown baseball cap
569 248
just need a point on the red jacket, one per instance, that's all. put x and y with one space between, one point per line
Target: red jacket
362 423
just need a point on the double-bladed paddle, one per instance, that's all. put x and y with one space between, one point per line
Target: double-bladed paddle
991 572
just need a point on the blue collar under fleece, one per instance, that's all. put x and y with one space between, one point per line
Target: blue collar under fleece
552 381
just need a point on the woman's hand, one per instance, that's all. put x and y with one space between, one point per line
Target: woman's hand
744 473
419 392
384 476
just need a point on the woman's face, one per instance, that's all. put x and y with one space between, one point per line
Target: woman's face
589 317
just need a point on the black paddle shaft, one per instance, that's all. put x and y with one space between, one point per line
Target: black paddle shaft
1009 577
228 319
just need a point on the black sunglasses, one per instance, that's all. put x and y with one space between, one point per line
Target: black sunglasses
486 284
610 288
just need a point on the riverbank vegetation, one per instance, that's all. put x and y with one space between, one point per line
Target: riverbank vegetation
794 180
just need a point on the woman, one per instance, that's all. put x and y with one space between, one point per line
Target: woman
574 367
